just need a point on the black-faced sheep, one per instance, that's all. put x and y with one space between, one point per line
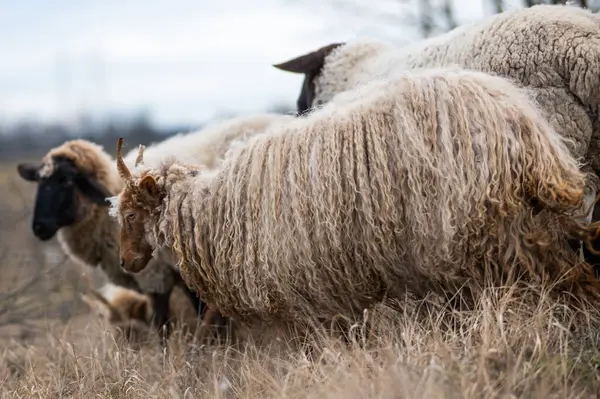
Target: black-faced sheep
75 179
552 50
427 182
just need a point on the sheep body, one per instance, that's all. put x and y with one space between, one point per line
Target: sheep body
426 182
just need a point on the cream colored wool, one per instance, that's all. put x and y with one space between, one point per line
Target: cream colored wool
552 50
408 185
208 145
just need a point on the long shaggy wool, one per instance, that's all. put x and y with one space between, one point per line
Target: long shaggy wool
426 182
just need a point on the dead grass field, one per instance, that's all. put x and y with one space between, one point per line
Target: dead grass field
51 346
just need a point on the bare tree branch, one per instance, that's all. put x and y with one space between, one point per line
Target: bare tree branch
498 6
426 17
449 13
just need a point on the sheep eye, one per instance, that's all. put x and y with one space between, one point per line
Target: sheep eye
129 221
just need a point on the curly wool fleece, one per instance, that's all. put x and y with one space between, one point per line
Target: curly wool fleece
433 180
552 50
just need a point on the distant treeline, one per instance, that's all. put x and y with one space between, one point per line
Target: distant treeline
33 139
29 139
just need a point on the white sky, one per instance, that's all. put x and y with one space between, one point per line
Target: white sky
182 60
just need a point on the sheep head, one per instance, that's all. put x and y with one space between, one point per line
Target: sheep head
71 186
136 207
310 65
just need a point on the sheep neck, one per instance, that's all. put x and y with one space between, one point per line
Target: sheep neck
95 242
186 198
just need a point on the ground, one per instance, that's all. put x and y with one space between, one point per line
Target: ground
52 346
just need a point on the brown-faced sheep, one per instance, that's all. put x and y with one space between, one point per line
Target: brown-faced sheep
552 50
431 181
75 179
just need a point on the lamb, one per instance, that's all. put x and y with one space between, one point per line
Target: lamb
423 183
127 311
552 50
75 179
130 313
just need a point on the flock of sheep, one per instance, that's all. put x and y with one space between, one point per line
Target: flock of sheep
468 158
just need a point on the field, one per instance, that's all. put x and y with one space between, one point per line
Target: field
53 346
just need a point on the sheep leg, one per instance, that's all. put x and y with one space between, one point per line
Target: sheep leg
209 316
199 306
593 215
161 317
590 257
207 319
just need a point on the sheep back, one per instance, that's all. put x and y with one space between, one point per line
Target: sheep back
206 146
553 50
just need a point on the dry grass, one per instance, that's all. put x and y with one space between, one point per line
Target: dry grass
501 349
506 347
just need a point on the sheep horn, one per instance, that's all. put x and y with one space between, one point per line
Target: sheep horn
123 170
140 157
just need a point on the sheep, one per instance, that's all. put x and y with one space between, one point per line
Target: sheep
75 179
130 313
423 183
127 311
553 50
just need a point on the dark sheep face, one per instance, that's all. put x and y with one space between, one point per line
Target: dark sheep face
58 196
310 65
307 93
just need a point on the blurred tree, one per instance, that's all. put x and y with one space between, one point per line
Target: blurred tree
429 17
593 5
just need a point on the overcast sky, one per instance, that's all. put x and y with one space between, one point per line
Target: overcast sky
183 60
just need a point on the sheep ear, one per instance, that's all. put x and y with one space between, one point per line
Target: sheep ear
29 171
310 62
149 187
92 189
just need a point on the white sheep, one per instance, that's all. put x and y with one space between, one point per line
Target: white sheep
552 50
